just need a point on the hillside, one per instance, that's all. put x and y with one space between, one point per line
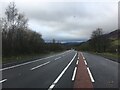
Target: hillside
112 47
114 34
114 37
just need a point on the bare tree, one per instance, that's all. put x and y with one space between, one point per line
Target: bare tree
11 13
96 40
99 42
17 38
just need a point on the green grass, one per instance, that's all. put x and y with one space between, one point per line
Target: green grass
115 42
25 57
113 56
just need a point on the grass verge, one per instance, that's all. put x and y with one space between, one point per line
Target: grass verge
22 58
111 56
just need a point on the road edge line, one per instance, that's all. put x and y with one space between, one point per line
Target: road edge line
61 74
17 65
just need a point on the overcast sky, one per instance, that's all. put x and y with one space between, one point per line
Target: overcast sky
68 20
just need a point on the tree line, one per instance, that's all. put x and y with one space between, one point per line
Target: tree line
99 42
18 39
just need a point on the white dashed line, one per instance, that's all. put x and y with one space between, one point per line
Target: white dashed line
74 73
3 80
90 74
77 62
82 56
58 78
40 65
85 62
23 64
32 61
57 58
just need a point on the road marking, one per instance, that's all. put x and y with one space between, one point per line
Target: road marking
32 61
82 55
85 62
78 57
52 86
40 65
23 64
3 80
58 78
90 74
73 77
77 62
57 58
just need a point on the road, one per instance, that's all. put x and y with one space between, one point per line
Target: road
57 71
105 72
42 73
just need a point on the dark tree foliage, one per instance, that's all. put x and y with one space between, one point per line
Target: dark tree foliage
98 41
18 39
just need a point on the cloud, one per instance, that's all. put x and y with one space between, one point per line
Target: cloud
69 20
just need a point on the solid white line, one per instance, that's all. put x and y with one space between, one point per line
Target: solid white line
3 80
58 78
78 57
51 87
40 65
90 74
73 77
31 61
57 58
77 62
85 62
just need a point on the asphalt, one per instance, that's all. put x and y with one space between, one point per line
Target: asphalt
57 71
41 76
104 71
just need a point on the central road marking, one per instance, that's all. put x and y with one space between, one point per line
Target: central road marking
73 77
57 58
40 65
82 56
85 62
77 62
3 80
90 74
58 78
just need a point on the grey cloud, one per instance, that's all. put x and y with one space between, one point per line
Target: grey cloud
70 20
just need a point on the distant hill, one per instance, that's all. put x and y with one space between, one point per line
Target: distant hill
113 35
71 43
